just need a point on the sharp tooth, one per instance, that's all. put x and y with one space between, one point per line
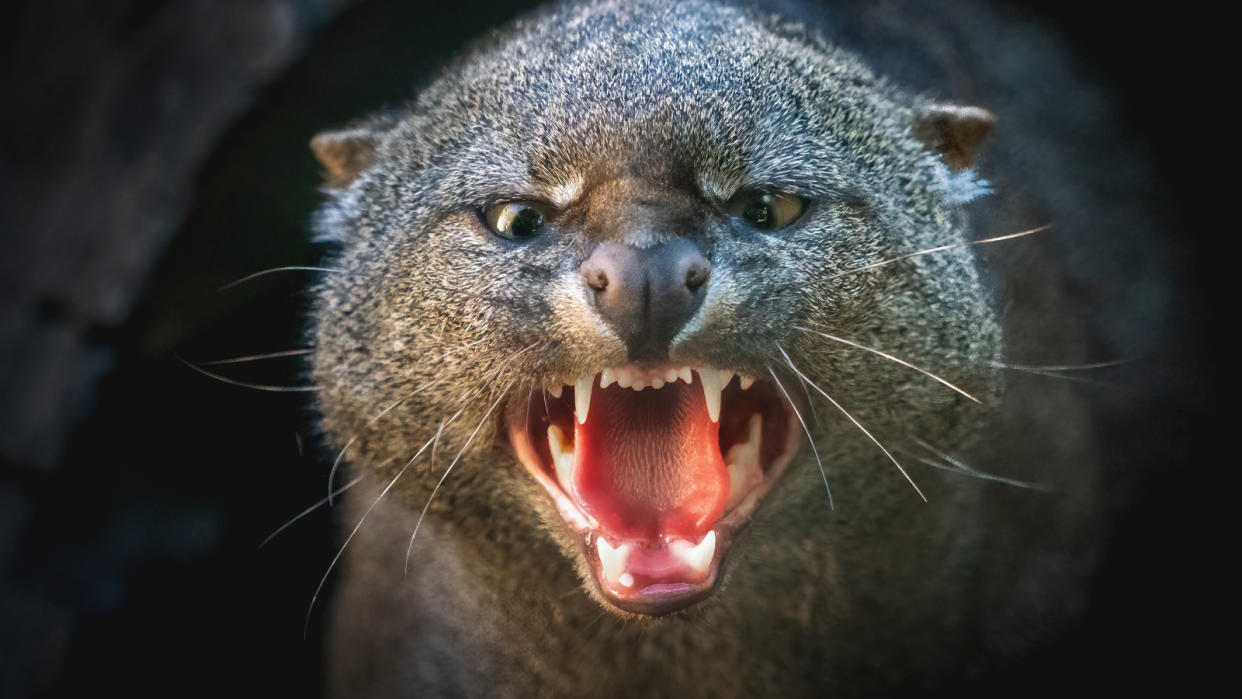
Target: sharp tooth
562 457
700 557
685 374
743 462
714 381
670 376
746 381
607 377
582 397
657 383
556 391
611 560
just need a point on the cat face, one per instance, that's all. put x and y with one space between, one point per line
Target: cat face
625 269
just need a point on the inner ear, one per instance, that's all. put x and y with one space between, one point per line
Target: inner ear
955 132
344 154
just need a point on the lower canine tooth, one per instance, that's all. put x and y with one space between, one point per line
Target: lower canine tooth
743 461
611 560
582 397
562 457
700 557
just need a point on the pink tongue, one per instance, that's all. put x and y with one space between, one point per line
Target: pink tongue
647 463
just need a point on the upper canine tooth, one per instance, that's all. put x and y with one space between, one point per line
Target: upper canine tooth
582 397
555 391
746 381
714 381
685 374
607 377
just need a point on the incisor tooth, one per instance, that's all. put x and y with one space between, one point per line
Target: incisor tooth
624 379
556 390
607 377
685 374
657 383
562 457
670 376
746 381
582 397
714 381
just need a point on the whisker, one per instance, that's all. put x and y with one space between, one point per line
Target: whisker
957 466
940 248
311 509
337 461
257 357
290 268
856 422
337 557
243 384
890 357
448 470
809 438
1043 368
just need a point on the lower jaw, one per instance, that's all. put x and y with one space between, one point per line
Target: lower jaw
652 595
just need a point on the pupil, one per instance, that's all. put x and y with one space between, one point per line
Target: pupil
758 211
526 223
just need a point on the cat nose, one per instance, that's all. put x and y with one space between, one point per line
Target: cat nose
646 295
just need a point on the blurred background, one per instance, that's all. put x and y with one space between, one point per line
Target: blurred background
153 152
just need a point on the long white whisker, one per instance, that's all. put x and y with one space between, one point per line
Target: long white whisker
341 455
823 474
243 384
856 422
453 463
291 268
257 357
312 508
940 248
956 466
891 358
1041 368
337 557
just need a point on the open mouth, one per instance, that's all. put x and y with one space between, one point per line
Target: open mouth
658 470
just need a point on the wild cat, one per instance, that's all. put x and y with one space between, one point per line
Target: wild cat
669 342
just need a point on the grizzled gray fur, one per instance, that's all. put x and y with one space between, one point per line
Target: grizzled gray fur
436 325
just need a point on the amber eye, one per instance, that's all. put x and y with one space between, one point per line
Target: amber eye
515 220
767 210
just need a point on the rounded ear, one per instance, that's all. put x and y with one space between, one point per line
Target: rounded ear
955 132
344 154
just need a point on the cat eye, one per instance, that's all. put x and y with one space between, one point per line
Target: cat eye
768 210
516 220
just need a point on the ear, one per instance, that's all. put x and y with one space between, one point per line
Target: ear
953 131
344 154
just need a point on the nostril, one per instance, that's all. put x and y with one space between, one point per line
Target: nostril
697 274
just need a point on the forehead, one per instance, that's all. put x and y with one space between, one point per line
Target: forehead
656 87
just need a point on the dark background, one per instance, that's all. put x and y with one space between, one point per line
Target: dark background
155 150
